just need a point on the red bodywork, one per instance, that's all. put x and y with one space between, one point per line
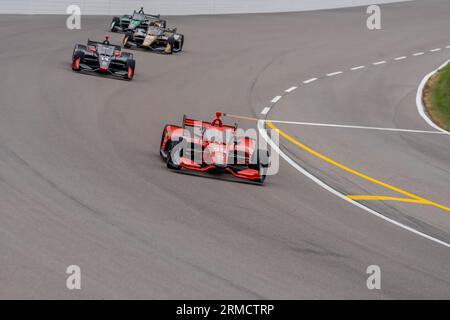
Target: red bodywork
215 154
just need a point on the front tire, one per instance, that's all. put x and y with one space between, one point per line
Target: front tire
181 42
76 63
128 37
164 152
174 146
170 43
261 163
77 56
130 69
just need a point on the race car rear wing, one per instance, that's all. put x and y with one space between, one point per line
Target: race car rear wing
93 43
204 124
153 16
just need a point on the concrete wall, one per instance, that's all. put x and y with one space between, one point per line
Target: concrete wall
175 7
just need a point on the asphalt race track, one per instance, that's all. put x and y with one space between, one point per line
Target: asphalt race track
81 180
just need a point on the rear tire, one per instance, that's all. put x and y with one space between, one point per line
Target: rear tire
127 55
115 22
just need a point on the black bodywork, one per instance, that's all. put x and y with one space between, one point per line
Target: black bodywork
155 38
103 57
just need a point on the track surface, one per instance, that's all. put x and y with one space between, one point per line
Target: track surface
81 181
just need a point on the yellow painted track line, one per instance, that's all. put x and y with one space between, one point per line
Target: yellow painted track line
355 172
384 198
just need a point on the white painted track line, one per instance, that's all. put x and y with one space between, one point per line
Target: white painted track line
276 99
337 193
332 125
310 80
265 110
295 165
290 89
334 74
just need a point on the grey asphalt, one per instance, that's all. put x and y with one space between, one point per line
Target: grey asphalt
81 181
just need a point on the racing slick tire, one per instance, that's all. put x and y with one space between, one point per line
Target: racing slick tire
162 152
77 56
262 174
131 64
171 43
174 146
128 37
181 42
261 163
115 22
127 55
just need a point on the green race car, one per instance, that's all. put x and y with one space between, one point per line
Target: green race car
137 19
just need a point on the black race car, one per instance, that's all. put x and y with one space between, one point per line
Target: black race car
137 19
103 57
155 38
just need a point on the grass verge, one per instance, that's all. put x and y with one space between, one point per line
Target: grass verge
436 98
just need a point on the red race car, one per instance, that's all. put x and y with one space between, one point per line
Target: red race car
213 146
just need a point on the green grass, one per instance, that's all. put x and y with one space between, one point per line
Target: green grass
438 102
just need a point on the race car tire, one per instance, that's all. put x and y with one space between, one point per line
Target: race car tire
162 152
261 163
77 58
115 22
174 146
79 48
127 55
181 42
262 174
171 42
128 37
76 63
131 64
262 158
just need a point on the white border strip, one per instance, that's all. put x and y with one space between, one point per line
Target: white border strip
334 74
290 89
310 80
332 125
265 110
337 193
419 99
276 99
